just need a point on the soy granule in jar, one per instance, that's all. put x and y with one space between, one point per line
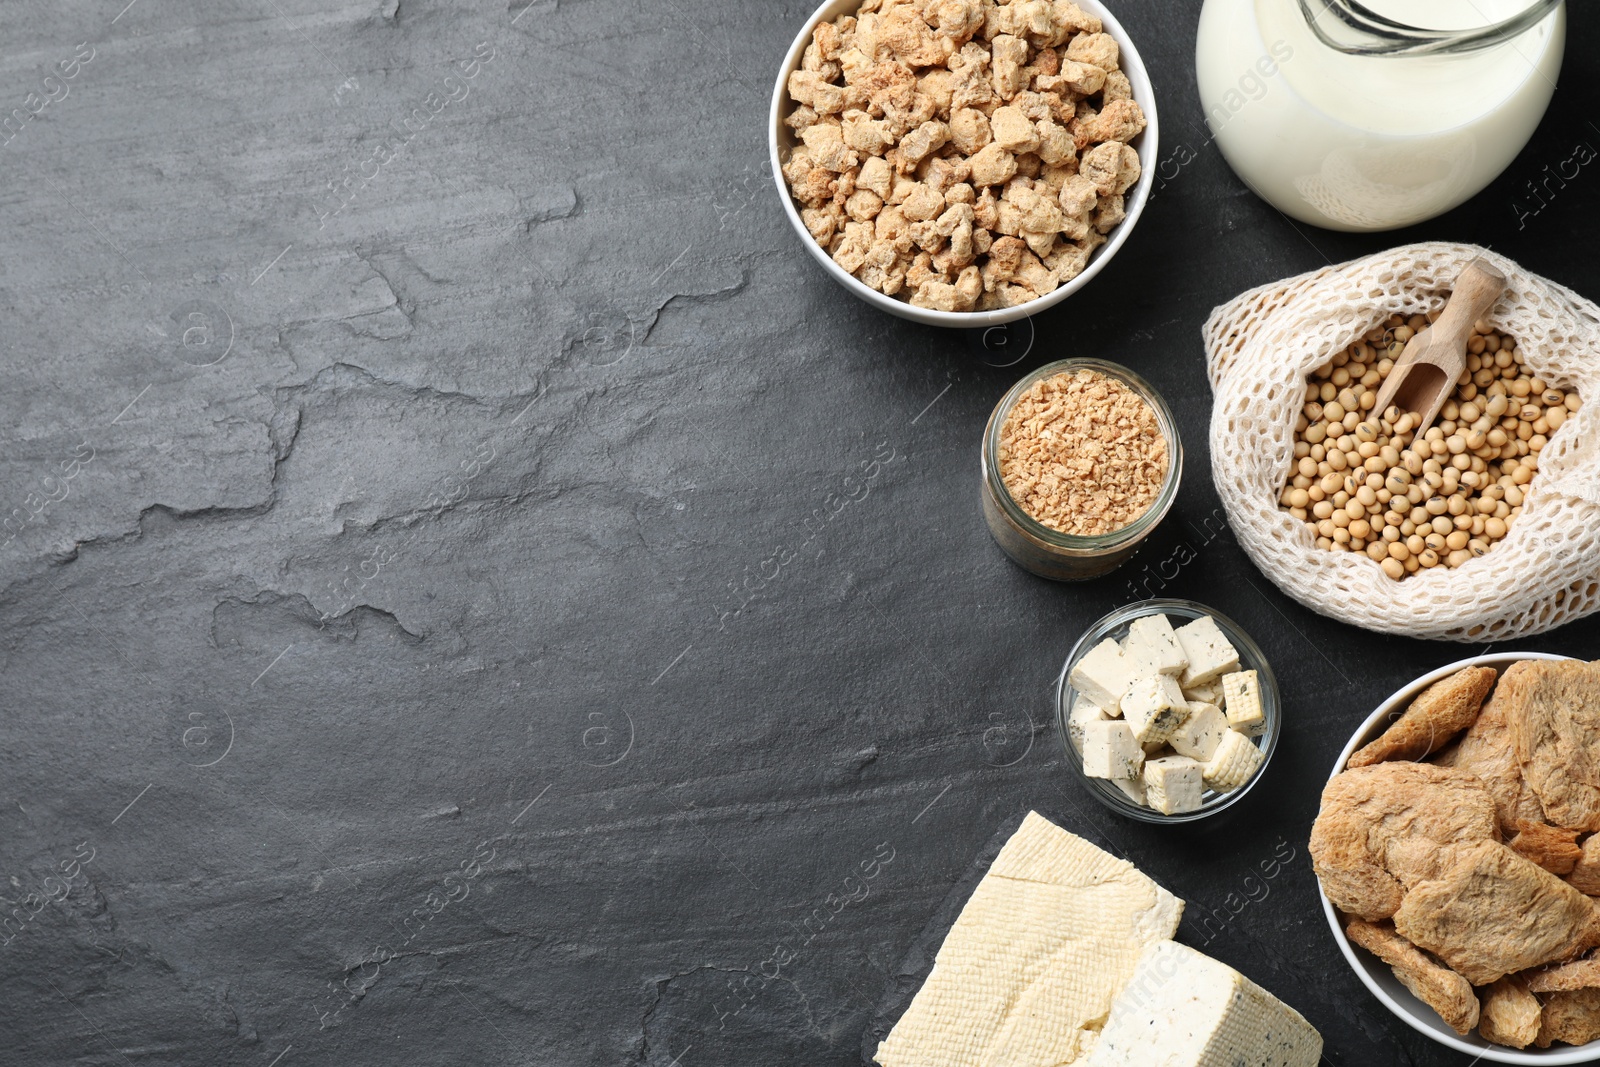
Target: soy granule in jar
1083 453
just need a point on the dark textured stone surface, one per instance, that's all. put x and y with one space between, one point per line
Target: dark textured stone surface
385 655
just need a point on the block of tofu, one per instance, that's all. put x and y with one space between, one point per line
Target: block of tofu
1207 692
1133 789
1208 651
1235 762
1028 972
1184 1009
1083 711
1152 646
1173 784
1201 732
1109 750
1243 689
1103 675
1154 707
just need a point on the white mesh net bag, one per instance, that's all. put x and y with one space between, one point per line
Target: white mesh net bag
1260 348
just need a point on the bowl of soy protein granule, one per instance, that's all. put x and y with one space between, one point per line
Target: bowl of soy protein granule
1081 460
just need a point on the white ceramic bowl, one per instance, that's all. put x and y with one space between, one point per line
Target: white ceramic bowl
1373 972
782 139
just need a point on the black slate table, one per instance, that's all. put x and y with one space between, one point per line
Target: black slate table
376 685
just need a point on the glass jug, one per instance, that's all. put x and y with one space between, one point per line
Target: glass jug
1357 117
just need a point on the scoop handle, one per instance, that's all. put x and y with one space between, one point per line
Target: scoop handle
1476 291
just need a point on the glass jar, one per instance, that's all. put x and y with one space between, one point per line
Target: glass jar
1355 117
1050 553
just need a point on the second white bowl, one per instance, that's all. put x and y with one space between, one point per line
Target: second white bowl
781 139
1373 972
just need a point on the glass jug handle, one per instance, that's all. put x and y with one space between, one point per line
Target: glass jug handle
1348 26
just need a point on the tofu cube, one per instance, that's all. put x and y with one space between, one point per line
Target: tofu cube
1082 712
1243 689
1207 693
1153 647
1132 788
1109 750
1209 653
1201 732
1234 763
1180 1008
1173 784
1154 707
1103 675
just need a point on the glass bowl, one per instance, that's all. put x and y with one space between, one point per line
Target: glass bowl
1050 553
1115 625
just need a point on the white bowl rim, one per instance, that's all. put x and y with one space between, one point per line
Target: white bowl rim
1417 1015
1149 155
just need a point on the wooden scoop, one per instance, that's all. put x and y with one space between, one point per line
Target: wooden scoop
1433 360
